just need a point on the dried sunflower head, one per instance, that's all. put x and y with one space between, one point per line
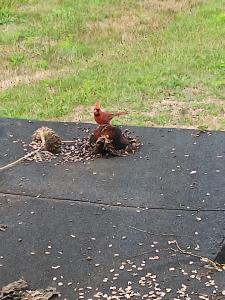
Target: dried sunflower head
100 146
108 139
47 137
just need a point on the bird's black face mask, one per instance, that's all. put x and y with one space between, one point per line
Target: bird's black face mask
96 112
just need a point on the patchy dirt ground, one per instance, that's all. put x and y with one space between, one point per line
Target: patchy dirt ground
14 80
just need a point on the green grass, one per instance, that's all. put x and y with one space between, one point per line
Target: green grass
154 63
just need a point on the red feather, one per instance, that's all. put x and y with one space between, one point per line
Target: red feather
104 117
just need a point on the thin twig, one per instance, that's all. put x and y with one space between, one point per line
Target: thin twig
19 160
25 156
145 231
202 258
186 252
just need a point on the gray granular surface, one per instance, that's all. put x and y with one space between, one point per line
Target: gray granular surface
110 228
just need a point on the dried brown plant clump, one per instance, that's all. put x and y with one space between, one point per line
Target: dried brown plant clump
108 139
18 290
44 142
48 139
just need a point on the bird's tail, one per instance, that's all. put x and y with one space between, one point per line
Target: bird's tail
120 113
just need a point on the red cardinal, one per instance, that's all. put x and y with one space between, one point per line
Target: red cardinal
103 117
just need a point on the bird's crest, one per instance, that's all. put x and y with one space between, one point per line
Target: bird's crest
97 105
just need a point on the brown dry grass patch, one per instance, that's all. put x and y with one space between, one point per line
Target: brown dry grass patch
169 5
30 78
196 115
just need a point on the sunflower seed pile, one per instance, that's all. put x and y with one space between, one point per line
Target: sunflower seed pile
142 285
42 155
120 293
148 289
137 278
134 142
80 149
147 285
